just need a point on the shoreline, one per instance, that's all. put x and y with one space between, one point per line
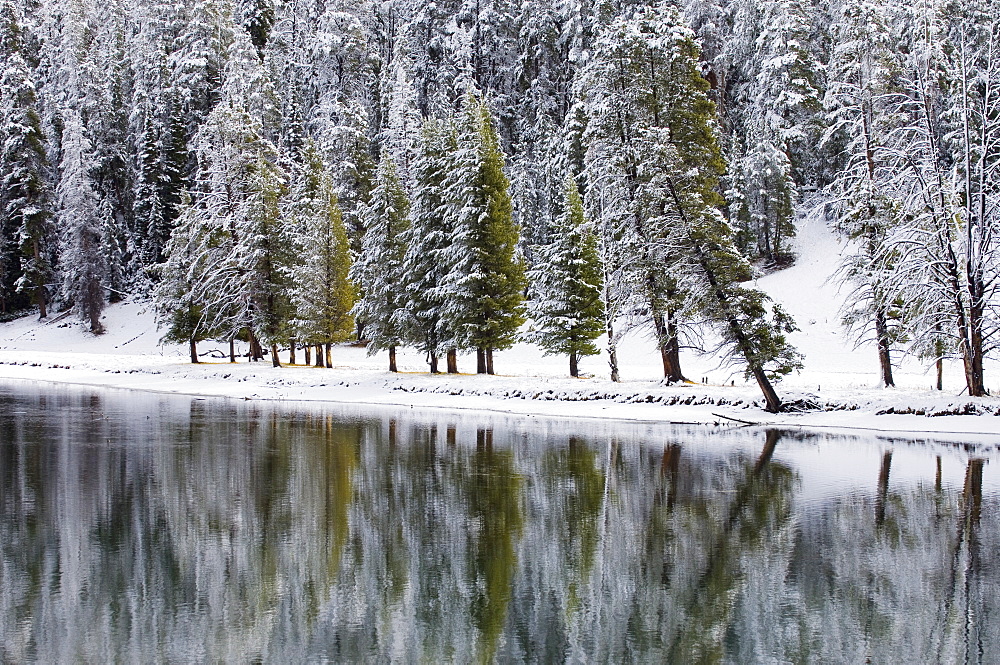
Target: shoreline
591 399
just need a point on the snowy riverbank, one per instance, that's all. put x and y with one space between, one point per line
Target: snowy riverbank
838 387
128 356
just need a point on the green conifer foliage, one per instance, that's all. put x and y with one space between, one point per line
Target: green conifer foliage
652 136
266 256
323 293
487 285
180 304
429 255
27 238
379 270
567 308
656 162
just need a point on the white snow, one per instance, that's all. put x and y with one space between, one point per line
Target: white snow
129 355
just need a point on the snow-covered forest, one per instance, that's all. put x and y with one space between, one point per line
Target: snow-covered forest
461 174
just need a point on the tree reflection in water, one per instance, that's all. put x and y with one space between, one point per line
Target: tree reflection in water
222 531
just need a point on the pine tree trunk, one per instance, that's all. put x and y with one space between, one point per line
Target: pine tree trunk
291 351
480 361
772 404
392 359
613 354
94 311
489 361
453 361
194 350
256 352
574 371
764 234
940 373
40 289
974 371
319 355
307 349
882 340
275 362
666 334
771 400
232 350
329 355
434 363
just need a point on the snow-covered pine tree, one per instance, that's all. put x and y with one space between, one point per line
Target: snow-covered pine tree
27 237
648 112
378 271
107 93
257 18
323 294
339 82
429 257
265 254
859 101
158 135
566 304
654 151
485 288
200 35
81 242
774 117
180 296
426 34
245 253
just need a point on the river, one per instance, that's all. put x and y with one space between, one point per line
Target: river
137 527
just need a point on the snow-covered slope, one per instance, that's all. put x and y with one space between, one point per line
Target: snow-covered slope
130 355
811 292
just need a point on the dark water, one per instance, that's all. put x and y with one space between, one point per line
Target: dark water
139 528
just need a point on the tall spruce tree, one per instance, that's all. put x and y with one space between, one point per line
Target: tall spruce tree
245 253
654 148
566 286
379 270
859 104
27 237
181 296
81 242
486 284
429 254
649 119
323 294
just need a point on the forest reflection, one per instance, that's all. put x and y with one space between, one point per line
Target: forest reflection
204 530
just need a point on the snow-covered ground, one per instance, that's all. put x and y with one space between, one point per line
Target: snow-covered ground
836 375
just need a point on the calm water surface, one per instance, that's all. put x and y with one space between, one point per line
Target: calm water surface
142 528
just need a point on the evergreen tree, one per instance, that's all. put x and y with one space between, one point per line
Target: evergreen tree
566 286
27 239
81 241
323 293
159 135
429 254
654 150
180 296
244 246
486 284
379 270
774 116
859 102
265 255
652 128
